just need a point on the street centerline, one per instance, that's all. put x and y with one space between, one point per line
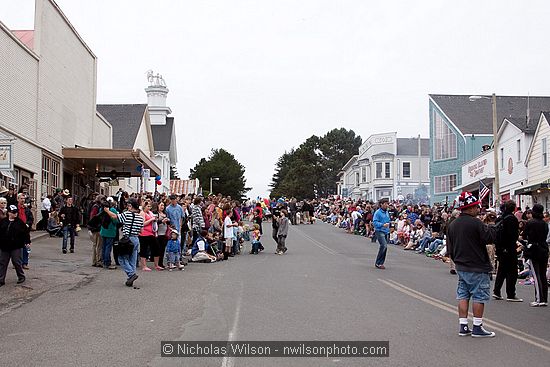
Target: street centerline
507 330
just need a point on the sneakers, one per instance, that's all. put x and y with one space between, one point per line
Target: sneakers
64 251
111 267
543 304
72 251
380 267
480 332
497 297
131 280
538 304
20 280
514 299
464 330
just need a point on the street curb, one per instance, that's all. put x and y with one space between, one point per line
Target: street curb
37 235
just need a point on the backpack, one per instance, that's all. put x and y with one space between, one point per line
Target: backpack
94 224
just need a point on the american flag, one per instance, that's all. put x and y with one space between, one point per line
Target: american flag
483 190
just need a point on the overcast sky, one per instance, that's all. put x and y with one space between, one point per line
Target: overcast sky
259 77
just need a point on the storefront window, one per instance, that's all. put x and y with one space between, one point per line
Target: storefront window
50 174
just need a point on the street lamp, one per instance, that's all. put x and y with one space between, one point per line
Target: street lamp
213 179
496 186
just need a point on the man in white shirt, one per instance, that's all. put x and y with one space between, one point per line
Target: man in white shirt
45 209
355 215
228 233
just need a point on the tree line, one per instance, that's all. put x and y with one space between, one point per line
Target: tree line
311 170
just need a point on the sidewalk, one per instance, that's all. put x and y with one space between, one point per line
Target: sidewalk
50 270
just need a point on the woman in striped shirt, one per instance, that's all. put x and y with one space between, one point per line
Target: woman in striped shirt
132 224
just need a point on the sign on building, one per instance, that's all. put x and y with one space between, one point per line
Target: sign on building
6 157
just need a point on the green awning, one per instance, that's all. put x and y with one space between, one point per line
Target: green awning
529 190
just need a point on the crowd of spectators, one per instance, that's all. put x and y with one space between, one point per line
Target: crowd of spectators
422 228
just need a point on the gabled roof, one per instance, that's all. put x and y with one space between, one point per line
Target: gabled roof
544 116
162 135
126 120
521 123
476 117
409 146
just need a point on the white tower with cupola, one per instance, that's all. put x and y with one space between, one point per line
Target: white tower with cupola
156 98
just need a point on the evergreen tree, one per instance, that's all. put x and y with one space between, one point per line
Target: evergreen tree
230 172
312 169
174 173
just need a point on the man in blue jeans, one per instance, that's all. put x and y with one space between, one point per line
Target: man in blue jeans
70 216
467 237
132 224
381 222
108 233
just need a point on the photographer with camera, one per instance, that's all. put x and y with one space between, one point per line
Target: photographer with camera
108 232
70 217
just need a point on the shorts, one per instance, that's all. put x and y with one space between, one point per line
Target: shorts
475 286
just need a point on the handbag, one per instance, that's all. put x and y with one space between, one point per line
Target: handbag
125 245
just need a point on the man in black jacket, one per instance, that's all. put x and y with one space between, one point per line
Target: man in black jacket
293 208
70 216
507 254
467 238
14 236
276 211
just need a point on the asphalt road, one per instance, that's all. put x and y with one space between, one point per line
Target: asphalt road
325 288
